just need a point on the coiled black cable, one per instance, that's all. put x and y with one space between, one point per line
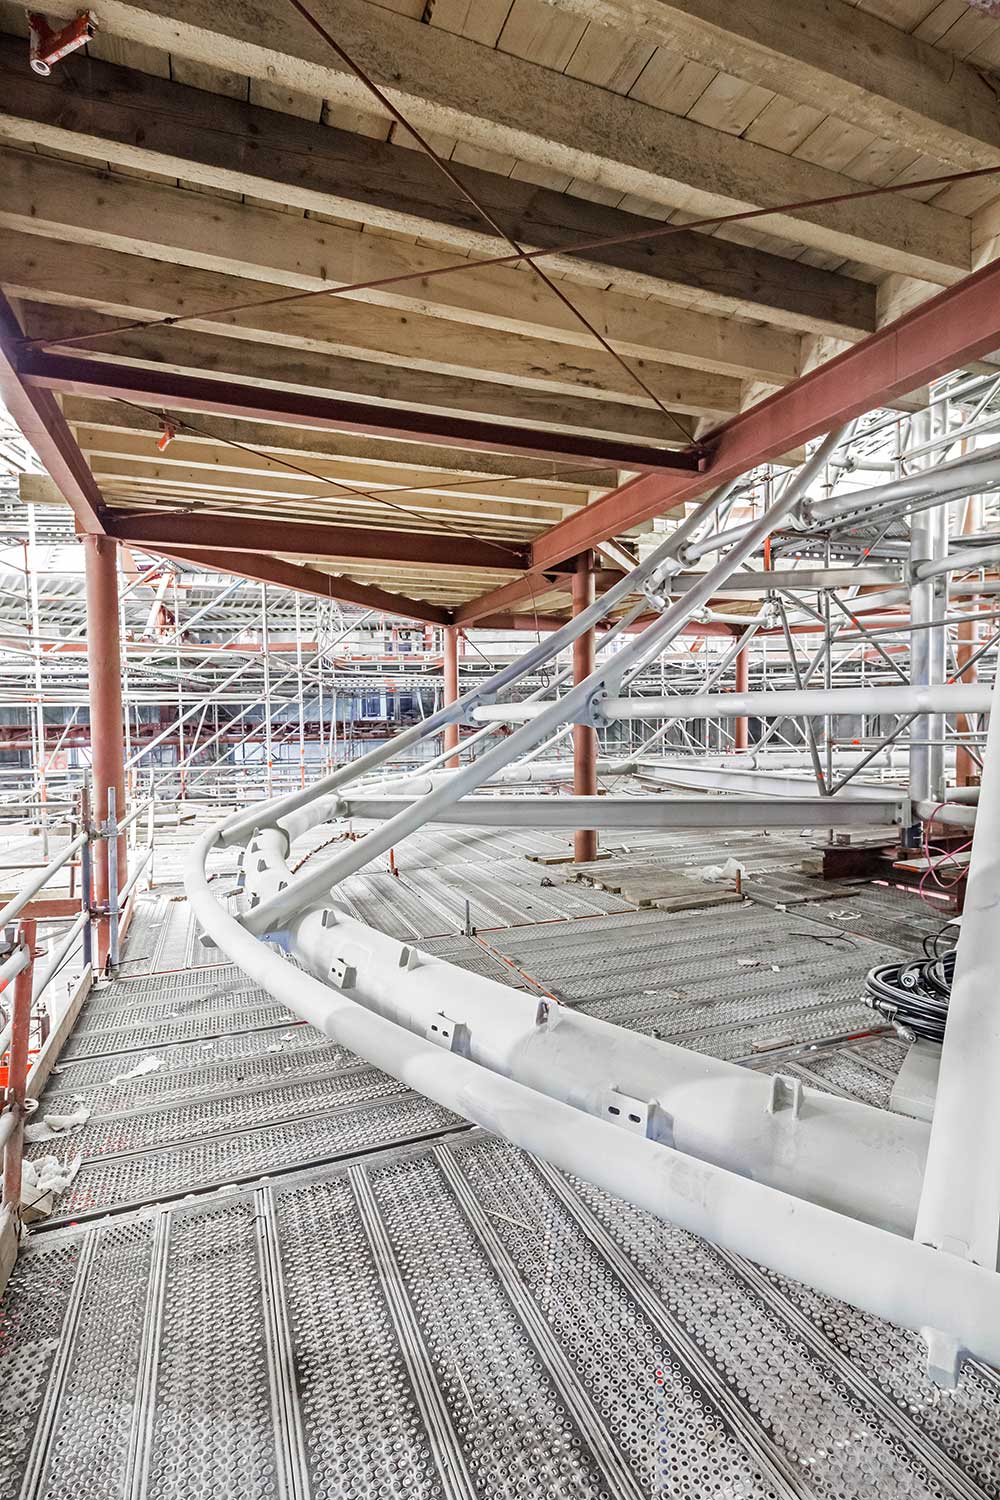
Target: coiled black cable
913 996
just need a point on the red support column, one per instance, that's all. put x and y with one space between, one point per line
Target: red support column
107 733
967 772
584 738
451 688
17 1090
742 724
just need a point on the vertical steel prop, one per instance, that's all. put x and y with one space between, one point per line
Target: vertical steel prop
17 1079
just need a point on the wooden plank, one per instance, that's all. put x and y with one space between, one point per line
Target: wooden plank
415 460
88 206
699 900
139 449
304 370
492 100
831 56
149 485
132 287
143 123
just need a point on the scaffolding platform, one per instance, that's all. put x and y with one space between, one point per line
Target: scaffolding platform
279 1273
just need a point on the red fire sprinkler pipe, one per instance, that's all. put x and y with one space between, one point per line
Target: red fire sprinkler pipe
107 735
584 737
742 724
48 46
451 688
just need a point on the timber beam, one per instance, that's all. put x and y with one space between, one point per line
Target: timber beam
161 387
831 56
134 120
495 101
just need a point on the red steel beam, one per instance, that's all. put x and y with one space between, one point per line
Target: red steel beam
311 539
960 324
106 378
555 622
263 569
520 591
37 414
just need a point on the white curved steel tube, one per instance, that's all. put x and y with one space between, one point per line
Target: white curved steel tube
884 1273
818 1188
955 814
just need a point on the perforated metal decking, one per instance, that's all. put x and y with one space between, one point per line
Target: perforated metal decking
280 1274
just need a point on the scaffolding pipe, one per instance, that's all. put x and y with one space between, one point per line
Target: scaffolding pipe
450 634
107 739
951 478
272 912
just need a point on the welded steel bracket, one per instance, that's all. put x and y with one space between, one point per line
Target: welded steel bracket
944 1357
447 1033
786 1094
640 1116
593 712
343 974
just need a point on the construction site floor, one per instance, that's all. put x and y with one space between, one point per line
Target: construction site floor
281 1273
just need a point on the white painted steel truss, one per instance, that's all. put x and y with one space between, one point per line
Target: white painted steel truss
893 1215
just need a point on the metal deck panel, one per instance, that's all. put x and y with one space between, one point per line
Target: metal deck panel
290 1278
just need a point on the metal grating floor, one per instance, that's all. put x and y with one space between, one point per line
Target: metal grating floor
280 1274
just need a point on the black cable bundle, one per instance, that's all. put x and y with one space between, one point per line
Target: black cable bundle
914 996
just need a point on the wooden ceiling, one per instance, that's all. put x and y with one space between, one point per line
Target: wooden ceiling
203 158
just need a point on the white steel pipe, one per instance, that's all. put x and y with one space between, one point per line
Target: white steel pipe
638 812
958 562
274 911
34 885
12 966
42 980
884 1274
240 825
946 698
955 814
960 1201
978 473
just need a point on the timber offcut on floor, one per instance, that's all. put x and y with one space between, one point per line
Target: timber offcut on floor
279 1272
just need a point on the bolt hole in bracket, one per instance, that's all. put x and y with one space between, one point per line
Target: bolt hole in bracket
640 1116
